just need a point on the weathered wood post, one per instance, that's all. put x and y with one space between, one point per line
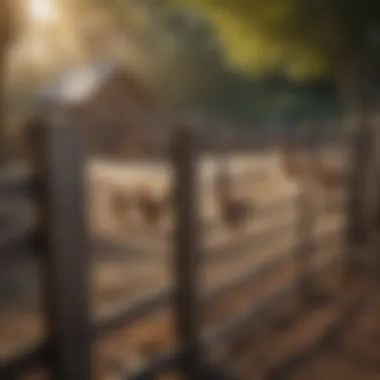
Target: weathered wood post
373 203
58 159
5 38
305 222
356 231
362 156
187 250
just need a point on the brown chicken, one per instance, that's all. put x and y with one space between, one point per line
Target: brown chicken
290 161
329 178
234 212
151 209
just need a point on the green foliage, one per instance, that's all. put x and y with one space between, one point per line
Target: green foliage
182 58
239 99
302 37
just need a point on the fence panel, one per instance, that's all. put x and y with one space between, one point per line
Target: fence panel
58 158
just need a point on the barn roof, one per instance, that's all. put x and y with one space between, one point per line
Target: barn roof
79 84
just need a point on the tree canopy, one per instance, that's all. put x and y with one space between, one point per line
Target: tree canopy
302 37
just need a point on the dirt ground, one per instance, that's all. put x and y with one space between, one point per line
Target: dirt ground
292 329
354 354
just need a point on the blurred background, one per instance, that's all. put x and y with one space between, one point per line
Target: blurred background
206 62
241 134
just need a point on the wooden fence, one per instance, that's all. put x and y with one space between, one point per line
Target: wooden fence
57 183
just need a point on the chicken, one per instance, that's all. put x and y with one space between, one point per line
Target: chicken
234 212
290 162
328 176
329 179
151 208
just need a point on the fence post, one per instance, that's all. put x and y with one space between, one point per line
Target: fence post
306 245
356 234
307 286
305 224
58 159
374 202
186 251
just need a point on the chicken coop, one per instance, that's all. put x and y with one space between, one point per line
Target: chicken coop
114 104
209 266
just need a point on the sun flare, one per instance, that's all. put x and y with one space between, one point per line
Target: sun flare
41 10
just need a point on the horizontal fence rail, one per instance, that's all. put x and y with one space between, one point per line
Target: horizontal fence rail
16 180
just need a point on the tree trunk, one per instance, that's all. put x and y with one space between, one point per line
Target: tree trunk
8 9
3 139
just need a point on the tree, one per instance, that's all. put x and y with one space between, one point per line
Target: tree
9 28
302 37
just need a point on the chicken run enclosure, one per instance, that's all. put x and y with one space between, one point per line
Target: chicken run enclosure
197 266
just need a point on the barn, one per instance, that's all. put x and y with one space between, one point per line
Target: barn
113 104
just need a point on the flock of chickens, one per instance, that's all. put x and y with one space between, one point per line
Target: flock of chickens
234 211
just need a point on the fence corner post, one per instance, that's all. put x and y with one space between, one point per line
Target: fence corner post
187 250
58 156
